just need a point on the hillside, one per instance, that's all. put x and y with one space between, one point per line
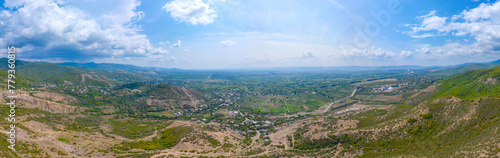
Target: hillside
111 66
466 67
53 73
460 118
457 117
472 84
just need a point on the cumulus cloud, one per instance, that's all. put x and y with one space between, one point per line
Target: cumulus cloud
306 55
166 42
481 23
429 22
194 12
53 29
227 43
373 52
176 45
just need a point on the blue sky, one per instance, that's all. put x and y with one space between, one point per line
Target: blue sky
212 34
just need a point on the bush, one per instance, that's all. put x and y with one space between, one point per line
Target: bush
412 120
426 116
168 138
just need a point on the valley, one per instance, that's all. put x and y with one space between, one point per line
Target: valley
182 113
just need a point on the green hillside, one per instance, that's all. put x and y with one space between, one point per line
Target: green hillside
467 67
466 126
472 84
48 72
162 91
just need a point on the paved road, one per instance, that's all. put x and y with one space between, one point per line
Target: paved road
353 92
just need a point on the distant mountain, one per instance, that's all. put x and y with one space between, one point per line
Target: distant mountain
443 70
112 66
333 68
466 67
53 73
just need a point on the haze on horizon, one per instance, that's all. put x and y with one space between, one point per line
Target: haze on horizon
227 34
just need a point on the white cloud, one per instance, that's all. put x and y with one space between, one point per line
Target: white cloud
176 45
481 23
166 42
373 53
55 29
227 43
429 22
425 35
483 12
191 11
406 53
306 55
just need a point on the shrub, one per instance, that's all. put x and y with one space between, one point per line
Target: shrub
412 120
426 116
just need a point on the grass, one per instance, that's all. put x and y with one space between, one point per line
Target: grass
373 118
168 114
155 114
343 106
469 85
226 146
426 137
136 129
62 139
213 142
314 104
366 119
278 110
257 109
383 83
290 108
168 139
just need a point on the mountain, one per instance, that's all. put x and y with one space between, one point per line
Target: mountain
472 84
439 70
466 67
53 73
458 117
162 91
112 66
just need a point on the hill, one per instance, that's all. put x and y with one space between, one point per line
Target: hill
53 73
459 119
466 67
112 66
472 84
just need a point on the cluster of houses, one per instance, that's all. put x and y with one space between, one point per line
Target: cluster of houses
232 113
177 114
384 88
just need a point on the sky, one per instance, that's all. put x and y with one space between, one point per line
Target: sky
228 34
